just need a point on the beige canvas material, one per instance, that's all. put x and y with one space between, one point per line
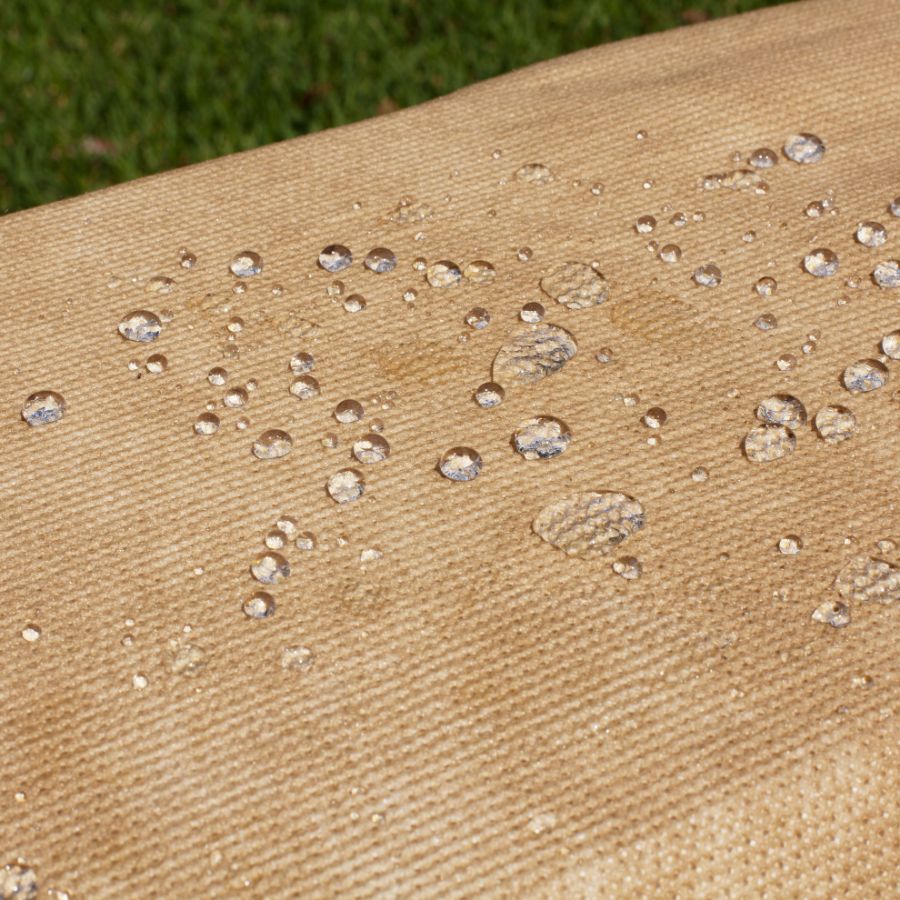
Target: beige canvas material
484 716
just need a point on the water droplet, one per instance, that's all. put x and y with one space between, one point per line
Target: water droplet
31 633
766 322
270 568
575 285
790 545
832 612
157 364
887 274
542 437
865 375
443 274
335 257
235 398
604 355
814 209
782 409
141 326
43 408
217 376
534 173
259 605
871 234
629 567
478 318
835 424
239 288
821 262
371 448
380 260
890 344
460 464
354 303
735 180
645 224
766 286
246 264
708 276
410 295
670 253
296 658
272 444
346 485
489 395
207 423
370 554
655 417
18 882
523 254
786 362
186 259
763 158
804 148
886 545
648 184
480 272
349 411
139 681
748 237
589 523
700 474
533 354
235 325
597 188
532 313
306 541
640 135
275 539
496 154
679 220
305 387
869 579
765 443
160 284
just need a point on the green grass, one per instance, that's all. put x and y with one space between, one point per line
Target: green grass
93 92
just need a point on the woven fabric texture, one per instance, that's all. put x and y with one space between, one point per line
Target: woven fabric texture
480 715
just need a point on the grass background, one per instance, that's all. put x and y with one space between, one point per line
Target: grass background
93 93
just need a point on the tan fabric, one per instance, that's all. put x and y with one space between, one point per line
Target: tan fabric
484 716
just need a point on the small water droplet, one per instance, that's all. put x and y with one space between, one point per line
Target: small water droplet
700 474
443 274
306 541
207 423
645 224
275 539
349 411
765 443
157 364
305 387
160 284
296 658
370 554
786 362
865 375
532 312
139 681
335 257
890 344
346 485
235 325
832 612
31 633
678 220
410 295
708 276
542 437
489 395
371 448
534 173
782 409
604 355
478 318
766 322
804 148
270 568
821 262
790 545
629 567
766 286
524 254
670 253
460 464
354 303
655 417
141 326
186 259
235 398
380 260
763 158
480 272
871 234
43 408
597 188
887 274
589 523
748 237
259 605
640 135
575 285
272 444
835 424
217 376
246 264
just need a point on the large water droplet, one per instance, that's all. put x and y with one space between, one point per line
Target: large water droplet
589 523
443 274
542 437
835 424
335 257
207 423
43 408
217 376
480 272
869 579
534 173
141 326
655 417
246 264
782 409
270 568
575 285
346 485
460 464
380 260
235 398
645 224
821 262
18 882
887 274
763 158
865 375
670 253
305 387
272 444
349 411
533 354
371 448
790 545
871 234
765 443
804 148
890 344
